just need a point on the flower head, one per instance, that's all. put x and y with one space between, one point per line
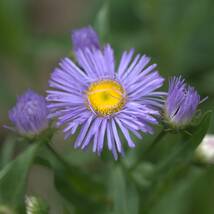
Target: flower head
181 103
99 99
85 38
29 115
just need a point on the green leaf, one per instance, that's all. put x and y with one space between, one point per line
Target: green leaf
13 179
200 131
132 198
117 188
176 164
75 186
101 22
124 195
176 194
184 151
7 151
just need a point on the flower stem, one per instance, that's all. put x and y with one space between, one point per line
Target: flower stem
158 138
56 155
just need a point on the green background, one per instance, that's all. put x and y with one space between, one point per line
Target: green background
177 34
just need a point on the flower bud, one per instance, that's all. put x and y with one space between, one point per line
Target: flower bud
181 103
85 38
29 115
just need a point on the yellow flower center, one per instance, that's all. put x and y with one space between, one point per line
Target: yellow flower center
106 97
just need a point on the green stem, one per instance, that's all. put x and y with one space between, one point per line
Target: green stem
158 138
56 155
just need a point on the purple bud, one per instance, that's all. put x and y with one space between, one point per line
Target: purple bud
181 103
29 115
85 38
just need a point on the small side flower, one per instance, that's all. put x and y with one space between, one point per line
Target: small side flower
29 115
85 38
181 103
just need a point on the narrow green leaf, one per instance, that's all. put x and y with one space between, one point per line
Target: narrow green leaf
118 191
7 151
101 22
133 199
13 179
123 193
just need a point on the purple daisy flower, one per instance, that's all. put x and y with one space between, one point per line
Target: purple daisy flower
29 115
181 103
85 38
99 99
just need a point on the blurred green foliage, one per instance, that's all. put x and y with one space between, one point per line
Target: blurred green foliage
178 35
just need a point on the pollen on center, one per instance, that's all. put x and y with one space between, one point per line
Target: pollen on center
105 97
